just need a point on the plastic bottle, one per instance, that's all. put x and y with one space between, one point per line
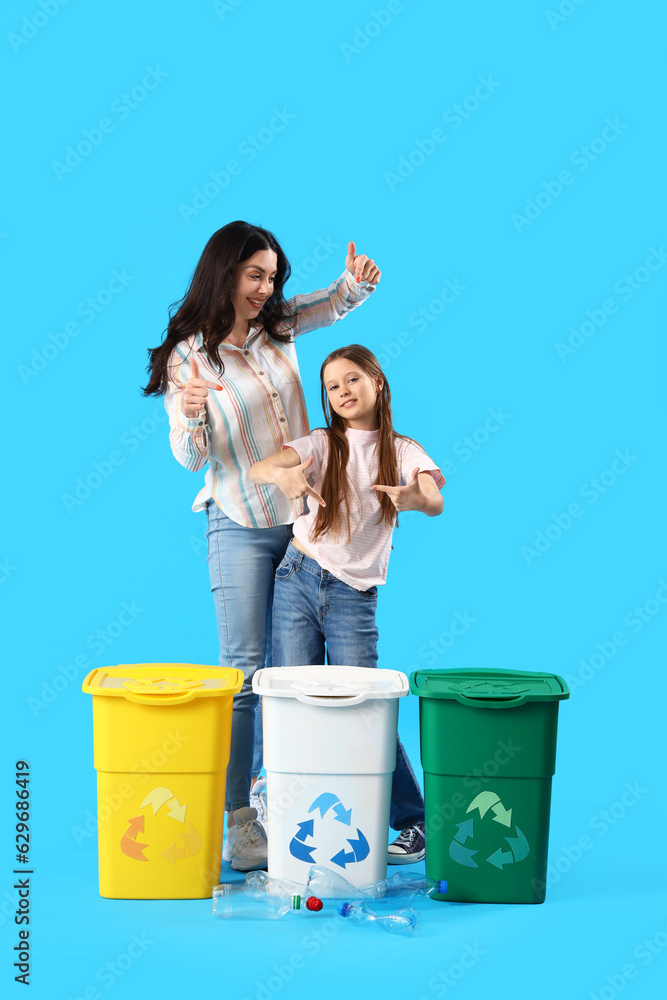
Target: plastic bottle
261 898
405 885
328 884
400 922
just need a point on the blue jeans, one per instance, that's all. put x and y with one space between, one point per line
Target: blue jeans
242 563
311 608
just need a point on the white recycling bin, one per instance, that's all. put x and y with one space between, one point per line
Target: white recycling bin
329 754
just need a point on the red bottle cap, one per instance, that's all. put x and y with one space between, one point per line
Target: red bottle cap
313 903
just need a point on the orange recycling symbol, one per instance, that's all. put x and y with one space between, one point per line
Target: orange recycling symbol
186 843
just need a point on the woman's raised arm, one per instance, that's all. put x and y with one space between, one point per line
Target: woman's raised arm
326 306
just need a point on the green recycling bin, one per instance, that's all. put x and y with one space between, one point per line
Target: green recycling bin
488 749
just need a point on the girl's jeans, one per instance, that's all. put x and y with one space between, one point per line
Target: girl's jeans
312 607
242 563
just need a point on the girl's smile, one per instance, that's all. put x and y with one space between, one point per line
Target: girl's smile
352 394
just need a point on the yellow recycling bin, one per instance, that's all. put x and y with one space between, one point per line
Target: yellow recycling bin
162 734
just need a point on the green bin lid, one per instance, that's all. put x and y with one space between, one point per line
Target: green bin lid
480 688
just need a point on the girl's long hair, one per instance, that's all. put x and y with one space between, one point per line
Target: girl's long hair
207 308
335 485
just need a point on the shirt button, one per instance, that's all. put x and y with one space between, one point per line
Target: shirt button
246 352
201 423
275 395
282 420
261 373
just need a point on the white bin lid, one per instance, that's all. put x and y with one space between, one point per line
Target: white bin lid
330 687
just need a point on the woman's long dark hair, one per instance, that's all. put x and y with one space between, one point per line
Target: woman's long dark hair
335 484
207 308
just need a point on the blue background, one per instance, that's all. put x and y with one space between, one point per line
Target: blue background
361 90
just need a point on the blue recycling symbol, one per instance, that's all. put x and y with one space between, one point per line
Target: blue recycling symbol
359 846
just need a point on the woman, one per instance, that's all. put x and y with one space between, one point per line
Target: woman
229 374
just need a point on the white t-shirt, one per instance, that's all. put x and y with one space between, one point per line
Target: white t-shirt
361 562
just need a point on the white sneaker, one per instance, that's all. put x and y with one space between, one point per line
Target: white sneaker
245 841
258 800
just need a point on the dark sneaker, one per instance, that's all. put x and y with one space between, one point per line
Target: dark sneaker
409 847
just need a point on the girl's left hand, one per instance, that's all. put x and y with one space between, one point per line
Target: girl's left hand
409 497
361 266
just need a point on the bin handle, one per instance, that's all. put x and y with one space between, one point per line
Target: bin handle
511 701
158 699
337 701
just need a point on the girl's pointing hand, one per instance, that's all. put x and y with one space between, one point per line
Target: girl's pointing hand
409 497
293 483
361 266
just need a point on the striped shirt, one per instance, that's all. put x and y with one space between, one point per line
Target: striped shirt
260 408
362 562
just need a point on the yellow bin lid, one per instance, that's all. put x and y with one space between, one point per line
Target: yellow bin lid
161 684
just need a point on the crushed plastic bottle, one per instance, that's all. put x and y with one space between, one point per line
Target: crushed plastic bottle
261 898
400 922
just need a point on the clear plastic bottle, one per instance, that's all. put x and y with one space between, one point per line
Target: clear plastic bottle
261 898
405 885
328 884
400 922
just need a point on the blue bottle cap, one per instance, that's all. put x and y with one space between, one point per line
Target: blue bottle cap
344 909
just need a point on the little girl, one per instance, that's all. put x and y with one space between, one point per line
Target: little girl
362 474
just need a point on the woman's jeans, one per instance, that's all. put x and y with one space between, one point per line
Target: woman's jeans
312 607
242 563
